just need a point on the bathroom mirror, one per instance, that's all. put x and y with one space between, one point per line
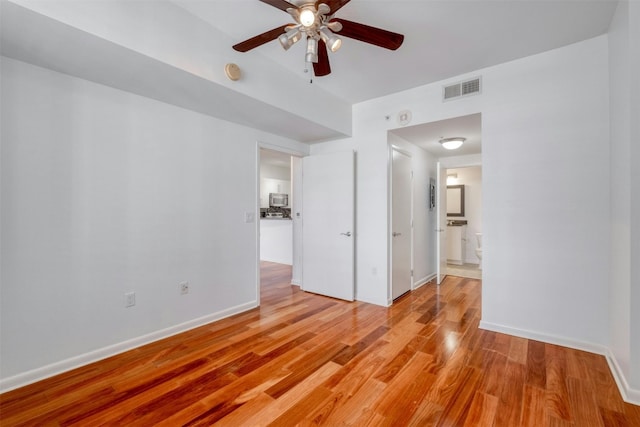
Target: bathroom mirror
455 200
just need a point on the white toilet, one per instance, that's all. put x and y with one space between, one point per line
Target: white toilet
479 250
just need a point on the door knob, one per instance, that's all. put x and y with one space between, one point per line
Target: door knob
348 234
394 234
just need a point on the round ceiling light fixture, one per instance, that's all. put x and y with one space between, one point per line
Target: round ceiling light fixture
307 17
452 143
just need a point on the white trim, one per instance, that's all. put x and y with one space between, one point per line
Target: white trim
391 149
29 377
629 394
382 302
551 339
282 149
389 194
257 219
402 151
421 282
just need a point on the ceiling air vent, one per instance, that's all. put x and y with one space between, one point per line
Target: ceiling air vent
465 88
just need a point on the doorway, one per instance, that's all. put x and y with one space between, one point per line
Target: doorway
276 230
433 161
279 235
464 221
328 194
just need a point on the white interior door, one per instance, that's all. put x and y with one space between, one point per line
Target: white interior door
328 224
441 223
401 232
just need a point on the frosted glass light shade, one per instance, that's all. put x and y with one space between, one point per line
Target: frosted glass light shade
452 143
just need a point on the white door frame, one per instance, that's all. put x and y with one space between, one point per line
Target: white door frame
390 220
441 229
284 150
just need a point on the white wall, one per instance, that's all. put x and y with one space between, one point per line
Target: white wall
624 302
275 172
274 179
471 178
545 163
105 192
371 211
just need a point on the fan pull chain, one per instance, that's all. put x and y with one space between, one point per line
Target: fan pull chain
306 70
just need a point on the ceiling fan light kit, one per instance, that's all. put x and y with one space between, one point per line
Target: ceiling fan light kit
307 17
289 38
312 50
332 41
316 21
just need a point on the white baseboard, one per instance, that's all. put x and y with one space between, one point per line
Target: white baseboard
416 284
551 339
423 281
382 303
629 394
29 377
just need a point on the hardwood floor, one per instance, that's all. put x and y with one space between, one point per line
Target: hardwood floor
310 360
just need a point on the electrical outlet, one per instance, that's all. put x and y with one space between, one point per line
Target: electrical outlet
184 288
129 299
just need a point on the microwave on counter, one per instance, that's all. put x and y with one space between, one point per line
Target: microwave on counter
278 200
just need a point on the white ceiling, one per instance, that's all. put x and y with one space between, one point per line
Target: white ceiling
442 38
275 158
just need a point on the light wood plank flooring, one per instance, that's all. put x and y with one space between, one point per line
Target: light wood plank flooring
304 359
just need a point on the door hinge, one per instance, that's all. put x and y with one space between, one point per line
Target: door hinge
411 273
411 174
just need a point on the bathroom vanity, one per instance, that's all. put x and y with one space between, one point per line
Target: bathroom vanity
456 242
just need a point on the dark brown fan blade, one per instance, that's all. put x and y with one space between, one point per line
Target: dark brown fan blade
260 39
372 35
322 67
334 5
280 4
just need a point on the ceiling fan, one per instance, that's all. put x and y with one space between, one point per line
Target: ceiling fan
315 21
